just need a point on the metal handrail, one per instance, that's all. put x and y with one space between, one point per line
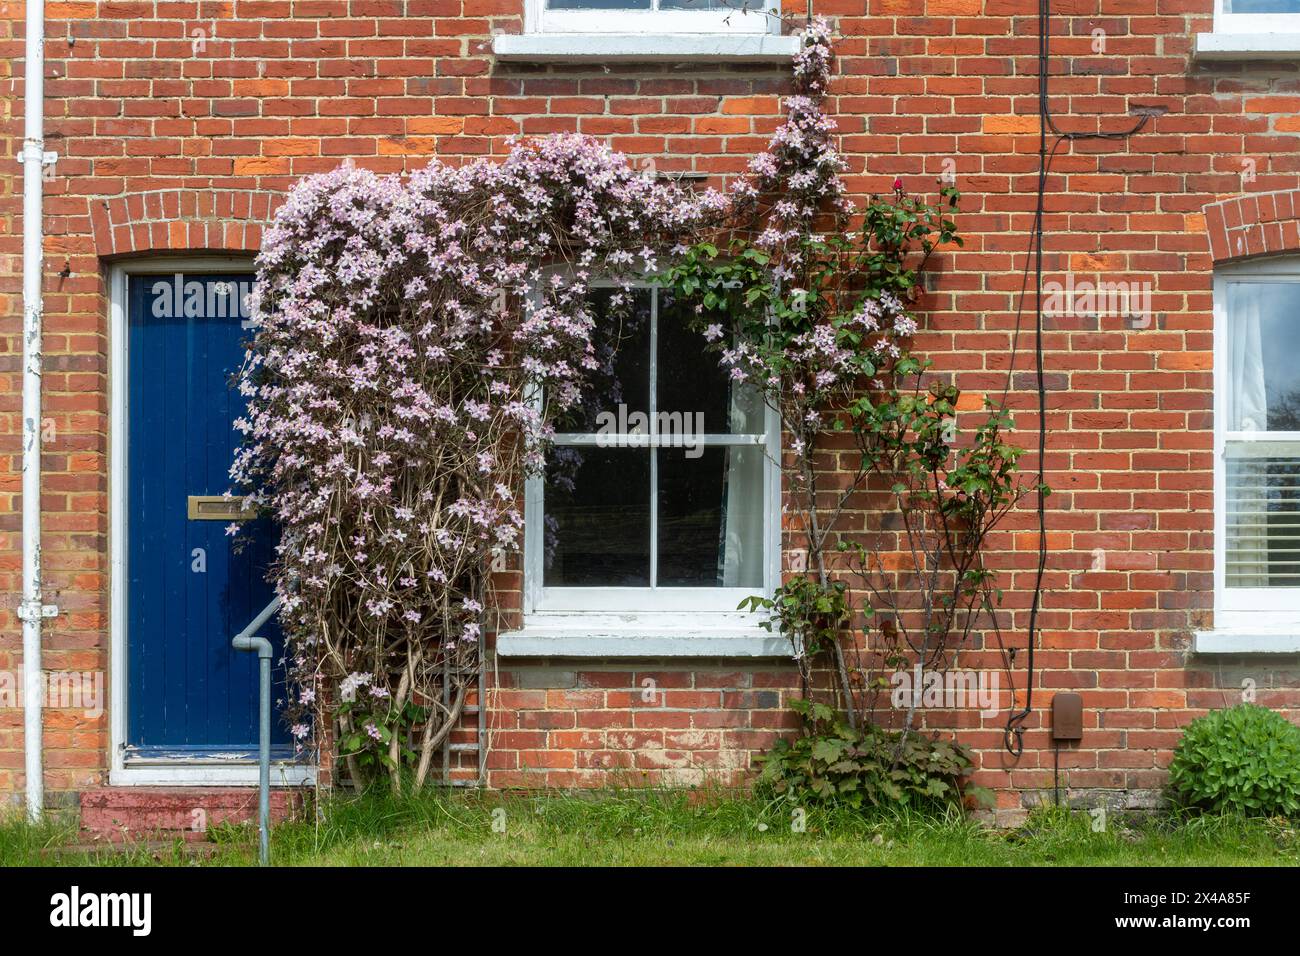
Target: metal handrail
246 640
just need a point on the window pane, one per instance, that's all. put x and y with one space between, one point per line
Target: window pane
1263 376
711 517
1263 515
598 4
1261 6
622 342
735 5
597 507
690 381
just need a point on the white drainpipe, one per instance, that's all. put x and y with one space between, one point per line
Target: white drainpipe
33 609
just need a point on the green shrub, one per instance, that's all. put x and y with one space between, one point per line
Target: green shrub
1244 759
871 766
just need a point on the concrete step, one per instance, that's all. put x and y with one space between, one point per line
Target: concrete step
179 810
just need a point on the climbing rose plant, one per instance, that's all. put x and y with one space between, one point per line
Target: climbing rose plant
403 329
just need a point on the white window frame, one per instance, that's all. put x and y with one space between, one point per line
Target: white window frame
658 621
1249 36
1246 620
1253 23
538 18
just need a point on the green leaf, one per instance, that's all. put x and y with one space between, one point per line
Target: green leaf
828 750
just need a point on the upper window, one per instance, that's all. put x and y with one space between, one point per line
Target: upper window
660 494
1257 439
649 16
1257 16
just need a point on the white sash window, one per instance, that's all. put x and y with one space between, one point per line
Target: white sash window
1257 446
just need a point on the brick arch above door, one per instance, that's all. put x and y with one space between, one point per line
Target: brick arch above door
1256 225
182 221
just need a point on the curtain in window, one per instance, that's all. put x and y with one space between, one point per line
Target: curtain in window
740 555
1248 403
1248 477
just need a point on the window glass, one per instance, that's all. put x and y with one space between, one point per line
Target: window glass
689 379
1261 6
657 479
1261 463
1264 356
739 7
599 4
1263 516
622 379
597 517
711 517
650 17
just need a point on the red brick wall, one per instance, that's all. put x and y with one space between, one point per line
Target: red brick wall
598 724
166 144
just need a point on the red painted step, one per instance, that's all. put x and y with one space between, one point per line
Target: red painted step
109 811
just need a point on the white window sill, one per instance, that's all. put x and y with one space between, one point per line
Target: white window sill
578 635
1246 46
1247 641
576 47
182 773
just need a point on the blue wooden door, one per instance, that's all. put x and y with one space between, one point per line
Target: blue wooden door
190 588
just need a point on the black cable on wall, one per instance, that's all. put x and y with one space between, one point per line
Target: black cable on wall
1013 736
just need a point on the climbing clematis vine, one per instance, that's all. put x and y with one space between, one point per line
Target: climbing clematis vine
413 340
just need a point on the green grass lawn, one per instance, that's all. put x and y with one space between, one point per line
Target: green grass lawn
678 829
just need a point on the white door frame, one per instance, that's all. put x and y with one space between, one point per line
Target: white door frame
153 771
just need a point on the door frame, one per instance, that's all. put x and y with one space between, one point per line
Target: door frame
154 771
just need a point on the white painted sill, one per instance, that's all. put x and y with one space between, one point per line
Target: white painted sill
1246 46
179 773
643 48
1246 641
600 635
